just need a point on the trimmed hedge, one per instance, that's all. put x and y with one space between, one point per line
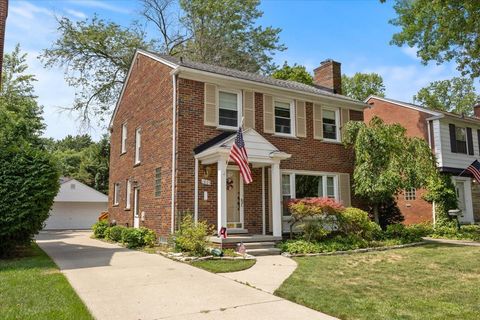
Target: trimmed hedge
99 229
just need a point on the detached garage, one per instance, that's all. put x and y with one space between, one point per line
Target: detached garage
76 206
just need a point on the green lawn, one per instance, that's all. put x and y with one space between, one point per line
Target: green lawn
427 282
221 266
32 287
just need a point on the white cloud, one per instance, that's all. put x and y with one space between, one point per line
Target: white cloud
103 5
76 13
410 52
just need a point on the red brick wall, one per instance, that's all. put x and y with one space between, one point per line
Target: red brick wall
416 124
146 103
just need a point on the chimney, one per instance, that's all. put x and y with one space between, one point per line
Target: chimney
329 75
476 109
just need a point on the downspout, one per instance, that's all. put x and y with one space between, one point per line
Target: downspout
174 147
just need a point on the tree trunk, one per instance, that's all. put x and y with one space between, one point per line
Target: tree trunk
375 214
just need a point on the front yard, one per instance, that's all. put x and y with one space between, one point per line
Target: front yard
427 282
32 287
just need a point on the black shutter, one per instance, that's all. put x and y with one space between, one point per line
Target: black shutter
453 139
478 138
469 141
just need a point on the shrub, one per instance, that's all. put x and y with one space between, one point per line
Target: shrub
407 234
138 237
353 221
29 181
99 229
114 233
337 243
300 246
314 230
470 232
192 238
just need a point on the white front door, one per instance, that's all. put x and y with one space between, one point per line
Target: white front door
136 209
234 200
464 199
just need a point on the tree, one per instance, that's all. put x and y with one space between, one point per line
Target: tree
28 173
387 161
456 95
296 73
362 85
441 30
96 53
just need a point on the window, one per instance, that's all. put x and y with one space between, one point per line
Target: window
283 117
228 109
306 186
330 124
116 194
137 145
158 182
127 194
461 140
286 193
410 194
124 138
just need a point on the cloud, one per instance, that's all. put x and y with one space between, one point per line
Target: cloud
411 52
27 10
102 5
76 13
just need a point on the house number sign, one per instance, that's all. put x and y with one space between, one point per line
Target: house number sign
206 182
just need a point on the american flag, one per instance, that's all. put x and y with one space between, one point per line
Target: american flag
474 169
238 154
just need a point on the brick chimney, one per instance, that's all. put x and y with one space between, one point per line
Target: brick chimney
476 109
329 75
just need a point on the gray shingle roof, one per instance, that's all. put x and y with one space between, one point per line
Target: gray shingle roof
292 85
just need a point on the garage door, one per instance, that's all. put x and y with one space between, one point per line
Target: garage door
74 215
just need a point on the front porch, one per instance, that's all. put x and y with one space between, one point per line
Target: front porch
258 205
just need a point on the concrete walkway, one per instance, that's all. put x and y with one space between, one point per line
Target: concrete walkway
117 283
449 241
267 274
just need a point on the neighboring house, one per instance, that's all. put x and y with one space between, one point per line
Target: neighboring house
173 127
76 206
455 141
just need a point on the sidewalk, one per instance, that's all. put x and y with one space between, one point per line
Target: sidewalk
449 241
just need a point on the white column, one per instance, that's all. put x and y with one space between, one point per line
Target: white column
263 203
276 200
221 194
196 192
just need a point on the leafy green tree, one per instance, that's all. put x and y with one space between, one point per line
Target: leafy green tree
28 173
456 95
387 161
96 53
361 85
441 30
296 73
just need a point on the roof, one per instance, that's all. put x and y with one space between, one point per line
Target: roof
434 113
250 76
72 190
210 143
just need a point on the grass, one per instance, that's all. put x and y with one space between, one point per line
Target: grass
428 282
222 266
32 287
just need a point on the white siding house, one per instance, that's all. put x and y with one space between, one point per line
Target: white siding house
76 206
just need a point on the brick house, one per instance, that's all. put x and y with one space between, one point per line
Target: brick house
455 141
173 127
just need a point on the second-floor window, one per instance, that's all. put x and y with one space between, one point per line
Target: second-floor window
461 140
330 124
116 194
228 108
127 194
138 138
124 138
283 117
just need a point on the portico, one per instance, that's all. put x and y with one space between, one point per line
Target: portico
230 188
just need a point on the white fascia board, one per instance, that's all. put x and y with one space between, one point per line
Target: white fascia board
434 113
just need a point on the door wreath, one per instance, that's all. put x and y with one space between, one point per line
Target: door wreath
229 183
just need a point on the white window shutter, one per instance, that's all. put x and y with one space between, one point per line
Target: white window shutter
249 109
268 114
344 189
211 107
317 121
301 118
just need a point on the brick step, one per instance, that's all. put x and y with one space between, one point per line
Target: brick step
259 245
264 251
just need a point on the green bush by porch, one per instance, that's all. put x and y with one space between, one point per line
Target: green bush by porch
32 287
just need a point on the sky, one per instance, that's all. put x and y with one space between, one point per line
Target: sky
354 32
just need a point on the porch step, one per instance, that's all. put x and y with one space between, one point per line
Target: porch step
264 251
258 245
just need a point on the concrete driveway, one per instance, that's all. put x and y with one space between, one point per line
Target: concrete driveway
117 283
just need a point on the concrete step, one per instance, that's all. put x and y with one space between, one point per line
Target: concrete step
259 245
264 251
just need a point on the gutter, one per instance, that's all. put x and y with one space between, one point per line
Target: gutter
174 146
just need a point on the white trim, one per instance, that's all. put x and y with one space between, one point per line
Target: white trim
195 210
276 200
159 59
124 138
264 231
239 94
138 145
128 194
405 105
174 146
467 185
293 121
136 209
116 193
337 123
